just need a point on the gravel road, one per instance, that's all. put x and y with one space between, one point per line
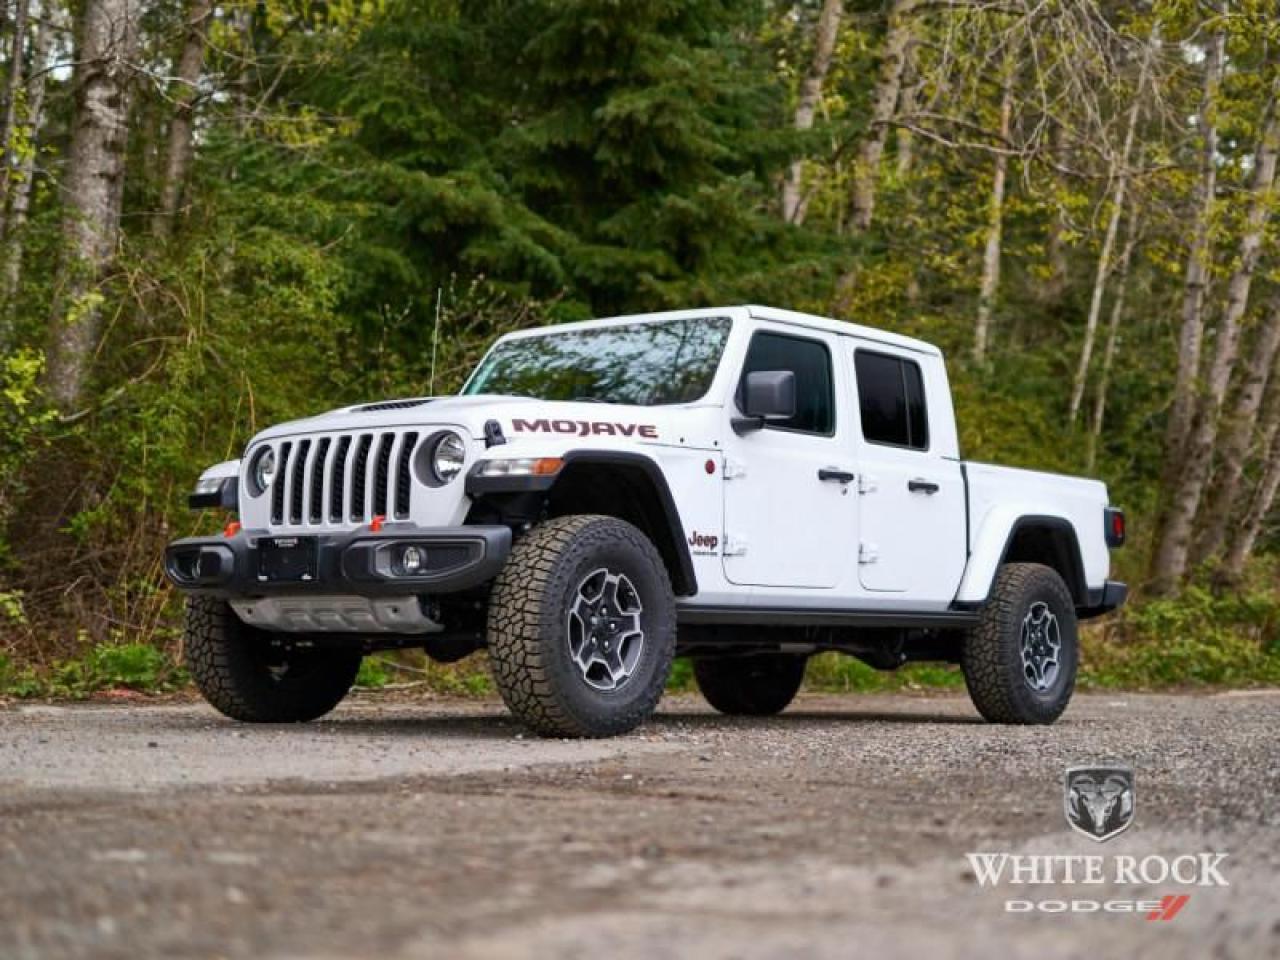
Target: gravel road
425 829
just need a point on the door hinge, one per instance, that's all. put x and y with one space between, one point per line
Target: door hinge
734 546
868 552
734 469
866 483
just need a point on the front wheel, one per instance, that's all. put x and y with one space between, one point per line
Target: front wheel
582 628
758 685
253 675
1020 661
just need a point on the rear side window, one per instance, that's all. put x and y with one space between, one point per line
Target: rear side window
891 398
810 361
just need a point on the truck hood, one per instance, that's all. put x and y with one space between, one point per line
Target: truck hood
678 424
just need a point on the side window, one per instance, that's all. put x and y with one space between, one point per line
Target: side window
810 361
891 398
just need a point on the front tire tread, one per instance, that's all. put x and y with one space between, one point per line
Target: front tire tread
520 616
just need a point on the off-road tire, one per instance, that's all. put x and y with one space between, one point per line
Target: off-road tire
758 685
232 665
527 634
992 660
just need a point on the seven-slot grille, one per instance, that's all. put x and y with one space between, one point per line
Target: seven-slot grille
343 478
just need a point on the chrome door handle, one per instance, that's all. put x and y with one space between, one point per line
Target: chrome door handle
832 474
922 486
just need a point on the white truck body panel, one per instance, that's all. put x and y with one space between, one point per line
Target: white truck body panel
1000 496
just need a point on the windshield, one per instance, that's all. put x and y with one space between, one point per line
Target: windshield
646 364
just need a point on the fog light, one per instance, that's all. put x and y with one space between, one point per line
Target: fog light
412 560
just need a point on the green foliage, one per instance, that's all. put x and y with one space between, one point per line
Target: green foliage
467 678
413 670
373 674
1196 639
11 609
681 679
24 418
17 681
837 673
621 165
137 667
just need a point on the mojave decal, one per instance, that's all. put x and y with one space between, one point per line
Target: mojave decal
586 428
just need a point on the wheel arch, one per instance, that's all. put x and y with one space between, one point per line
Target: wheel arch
631 487
1027 538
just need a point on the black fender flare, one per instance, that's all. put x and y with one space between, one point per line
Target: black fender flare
1072 559
683 579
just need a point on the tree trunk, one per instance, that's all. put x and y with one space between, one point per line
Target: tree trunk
92 188
1269 417
990 283
910 94
1109 239
181 127
17 64
793 201
1113 334
1169 563
1239 428
884 100
1264 495
23 181
1051 290
1196 278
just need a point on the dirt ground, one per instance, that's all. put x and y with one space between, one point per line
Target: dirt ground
424 829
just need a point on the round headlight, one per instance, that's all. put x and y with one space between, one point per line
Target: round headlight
264 470
448 457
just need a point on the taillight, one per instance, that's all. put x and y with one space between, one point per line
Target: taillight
1114 527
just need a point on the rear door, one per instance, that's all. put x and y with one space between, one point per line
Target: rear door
785 525
911 499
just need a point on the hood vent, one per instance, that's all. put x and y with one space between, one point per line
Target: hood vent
392 405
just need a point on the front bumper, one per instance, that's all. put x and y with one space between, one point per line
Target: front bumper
1110 596
361 563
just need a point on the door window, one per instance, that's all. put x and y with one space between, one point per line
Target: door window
891 400
810 361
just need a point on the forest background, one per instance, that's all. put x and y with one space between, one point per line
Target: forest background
216 216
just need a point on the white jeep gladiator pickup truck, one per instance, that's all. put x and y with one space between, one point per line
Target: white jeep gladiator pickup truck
744 486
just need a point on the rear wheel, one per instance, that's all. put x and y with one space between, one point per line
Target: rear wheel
253 675
582 627
757 685
1020 662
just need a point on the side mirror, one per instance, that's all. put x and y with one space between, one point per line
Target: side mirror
767 395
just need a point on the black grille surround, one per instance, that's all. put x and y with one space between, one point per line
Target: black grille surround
338 479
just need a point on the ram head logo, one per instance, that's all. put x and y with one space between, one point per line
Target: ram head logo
1099 800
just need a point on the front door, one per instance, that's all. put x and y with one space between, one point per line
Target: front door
790 501
911 499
